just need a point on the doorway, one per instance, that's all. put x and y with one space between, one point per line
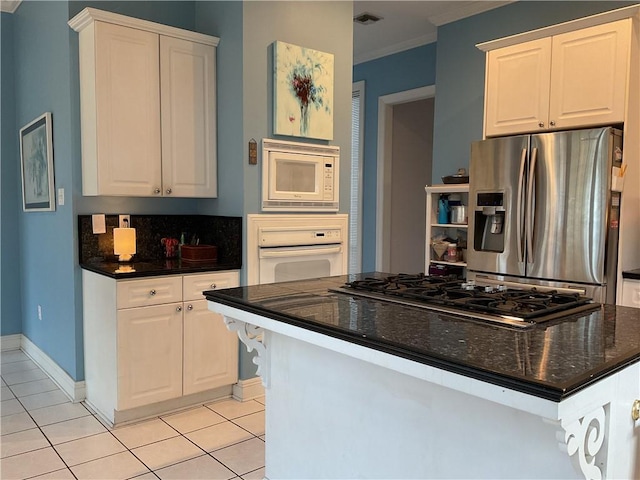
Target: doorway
405 146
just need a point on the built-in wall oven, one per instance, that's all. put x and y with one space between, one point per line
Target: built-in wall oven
295 247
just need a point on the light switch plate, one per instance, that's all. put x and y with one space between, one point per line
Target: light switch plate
124 221
61 196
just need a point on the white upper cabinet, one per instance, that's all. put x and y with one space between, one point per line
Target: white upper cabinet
148 108
517 87
569 80
121 128
187 77
589 72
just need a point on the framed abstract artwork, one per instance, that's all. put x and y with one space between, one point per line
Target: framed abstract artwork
36 158
303 92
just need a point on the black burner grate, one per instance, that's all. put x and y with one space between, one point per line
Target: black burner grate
526 304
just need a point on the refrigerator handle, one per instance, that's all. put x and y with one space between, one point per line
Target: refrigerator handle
519 206
531 209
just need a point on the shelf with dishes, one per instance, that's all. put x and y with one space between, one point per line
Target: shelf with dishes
446 229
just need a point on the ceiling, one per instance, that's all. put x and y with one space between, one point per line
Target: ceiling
404 24
407 24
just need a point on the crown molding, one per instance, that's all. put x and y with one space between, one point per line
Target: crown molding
632 11
395 48
9 6
89 15
465 11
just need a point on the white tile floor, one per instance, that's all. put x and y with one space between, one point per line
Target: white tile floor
45 436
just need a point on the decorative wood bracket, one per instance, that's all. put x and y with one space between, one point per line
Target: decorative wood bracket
253 338
585 438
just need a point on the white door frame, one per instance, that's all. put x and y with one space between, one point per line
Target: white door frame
385 144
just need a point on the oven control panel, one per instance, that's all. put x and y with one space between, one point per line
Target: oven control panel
291 236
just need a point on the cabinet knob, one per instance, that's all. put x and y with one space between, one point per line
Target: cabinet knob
213 286
157 191
168 191
178 308
190 307
552 123
541 124
152 293
635 410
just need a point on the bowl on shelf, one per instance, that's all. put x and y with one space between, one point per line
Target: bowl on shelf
460 177
449 179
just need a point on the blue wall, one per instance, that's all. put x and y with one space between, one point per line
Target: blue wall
224 20
10 306
460 69
44 245
391 74
46 260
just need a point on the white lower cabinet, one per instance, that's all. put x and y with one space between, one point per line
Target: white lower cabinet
149 354
631 293
207 364
152 345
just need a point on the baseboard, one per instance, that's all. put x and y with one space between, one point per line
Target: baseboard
248 389
10 342
74 390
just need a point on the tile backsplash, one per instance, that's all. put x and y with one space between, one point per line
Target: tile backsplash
223 232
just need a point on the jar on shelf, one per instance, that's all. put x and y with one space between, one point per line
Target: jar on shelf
452 253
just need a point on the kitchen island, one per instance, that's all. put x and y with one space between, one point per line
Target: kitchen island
369 389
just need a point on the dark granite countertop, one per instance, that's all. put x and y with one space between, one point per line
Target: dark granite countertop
550 360
155 268
632 274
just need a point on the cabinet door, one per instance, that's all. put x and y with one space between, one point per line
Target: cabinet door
127 102
210 349
517 88
188 118
589 75
149 354
631 293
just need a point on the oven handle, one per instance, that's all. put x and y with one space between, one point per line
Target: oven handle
280 252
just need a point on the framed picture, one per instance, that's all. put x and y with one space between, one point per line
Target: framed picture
303 92
36 155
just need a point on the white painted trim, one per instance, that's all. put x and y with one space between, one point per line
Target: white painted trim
74 390
10 342
395 48
9 6
385 143
468 9
89 15
248 389
580 23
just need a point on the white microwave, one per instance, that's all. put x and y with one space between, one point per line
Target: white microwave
299 176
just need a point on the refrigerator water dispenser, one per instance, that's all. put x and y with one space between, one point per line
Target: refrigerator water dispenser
488 234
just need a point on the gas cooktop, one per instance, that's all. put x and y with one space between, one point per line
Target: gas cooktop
520 307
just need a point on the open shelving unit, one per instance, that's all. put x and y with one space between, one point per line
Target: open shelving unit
432 225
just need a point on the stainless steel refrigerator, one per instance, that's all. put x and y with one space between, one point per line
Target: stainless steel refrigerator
541 211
